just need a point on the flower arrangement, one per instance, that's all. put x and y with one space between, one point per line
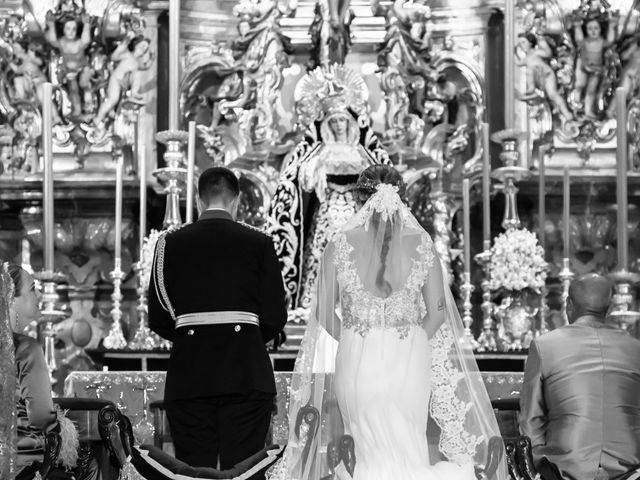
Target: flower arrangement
517 262
146 256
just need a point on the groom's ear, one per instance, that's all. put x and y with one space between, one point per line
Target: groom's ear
201 206
234 207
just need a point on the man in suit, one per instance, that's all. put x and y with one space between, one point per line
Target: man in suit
580 401
217 293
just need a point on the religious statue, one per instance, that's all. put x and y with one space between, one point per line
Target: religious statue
132 57
28 77
93 68
540 75
330 33
630 74
74 74
314 195
591 61
574 61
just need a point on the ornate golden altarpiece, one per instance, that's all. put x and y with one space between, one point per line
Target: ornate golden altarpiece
434 71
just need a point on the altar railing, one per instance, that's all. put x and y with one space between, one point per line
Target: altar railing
133 391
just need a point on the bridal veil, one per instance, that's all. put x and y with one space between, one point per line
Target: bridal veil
384 251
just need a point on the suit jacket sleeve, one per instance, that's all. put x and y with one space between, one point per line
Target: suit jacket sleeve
533 410
273 308
35 385
160 320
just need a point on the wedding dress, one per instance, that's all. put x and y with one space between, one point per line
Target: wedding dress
369 375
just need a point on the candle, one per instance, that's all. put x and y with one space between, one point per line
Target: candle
542 214
509 64
191 162
566 211
621 180
466 231
118 237
174 63
486 185
142 174
47 182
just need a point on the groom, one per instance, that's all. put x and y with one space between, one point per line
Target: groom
216 291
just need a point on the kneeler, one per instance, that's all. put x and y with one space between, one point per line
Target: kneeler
151 463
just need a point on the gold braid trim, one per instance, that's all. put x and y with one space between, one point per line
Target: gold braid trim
159 273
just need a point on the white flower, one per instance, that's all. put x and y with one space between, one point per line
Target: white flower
517 262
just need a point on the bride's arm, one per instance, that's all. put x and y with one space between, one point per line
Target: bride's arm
434 297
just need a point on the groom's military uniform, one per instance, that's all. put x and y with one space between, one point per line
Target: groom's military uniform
216 291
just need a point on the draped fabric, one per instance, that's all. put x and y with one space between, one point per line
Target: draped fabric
289 215
7 379
375 372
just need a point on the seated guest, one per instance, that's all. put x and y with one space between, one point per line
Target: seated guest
580 401
35 410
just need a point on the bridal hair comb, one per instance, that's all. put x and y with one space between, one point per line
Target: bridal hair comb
385 201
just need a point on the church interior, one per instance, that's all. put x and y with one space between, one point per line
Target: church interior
514 123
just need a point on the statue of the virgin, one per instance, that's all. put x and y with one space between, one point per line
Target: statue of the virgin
314 194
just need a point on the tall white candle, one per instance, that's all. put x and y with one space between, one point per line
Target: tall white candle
119 180
466 230
509 64
621 180
142 174
486 185
47 182
566 212
542 214
191 165
174 63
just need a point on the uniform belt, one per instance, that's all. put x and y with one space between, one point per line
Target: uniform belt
216 318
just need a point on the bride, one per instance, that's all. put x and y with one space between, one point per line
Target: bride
402 397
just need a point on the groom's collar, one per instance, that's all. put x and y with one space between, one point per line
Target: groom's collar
215 214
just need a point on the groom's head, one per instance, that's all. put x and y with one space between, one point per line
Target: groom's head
218 187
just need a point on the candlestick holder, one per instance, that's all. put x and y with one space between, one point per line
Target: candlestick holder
467 289
622 313
173 176
51 314
115 340
511 173
565 275
144 339
487 339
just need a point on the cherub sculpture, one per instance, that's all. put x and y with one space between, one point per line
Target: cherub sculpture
72 45
28 77
590 64
132 57
540 75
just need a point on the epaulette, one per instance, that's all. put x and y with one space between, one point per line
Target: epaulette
174 228
255 229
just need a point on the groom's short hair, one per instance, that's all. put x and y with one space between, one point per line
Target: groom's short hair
218 183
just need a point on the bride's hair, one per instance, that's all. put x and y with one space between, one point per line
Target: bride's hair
366 186
373 176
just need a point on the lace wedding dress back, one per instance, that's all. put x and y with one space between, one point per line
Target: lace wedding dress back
390 402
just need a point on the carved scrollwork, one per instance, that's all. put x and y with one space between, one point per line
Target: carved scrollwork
574 60
434 92
97 64
633 129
